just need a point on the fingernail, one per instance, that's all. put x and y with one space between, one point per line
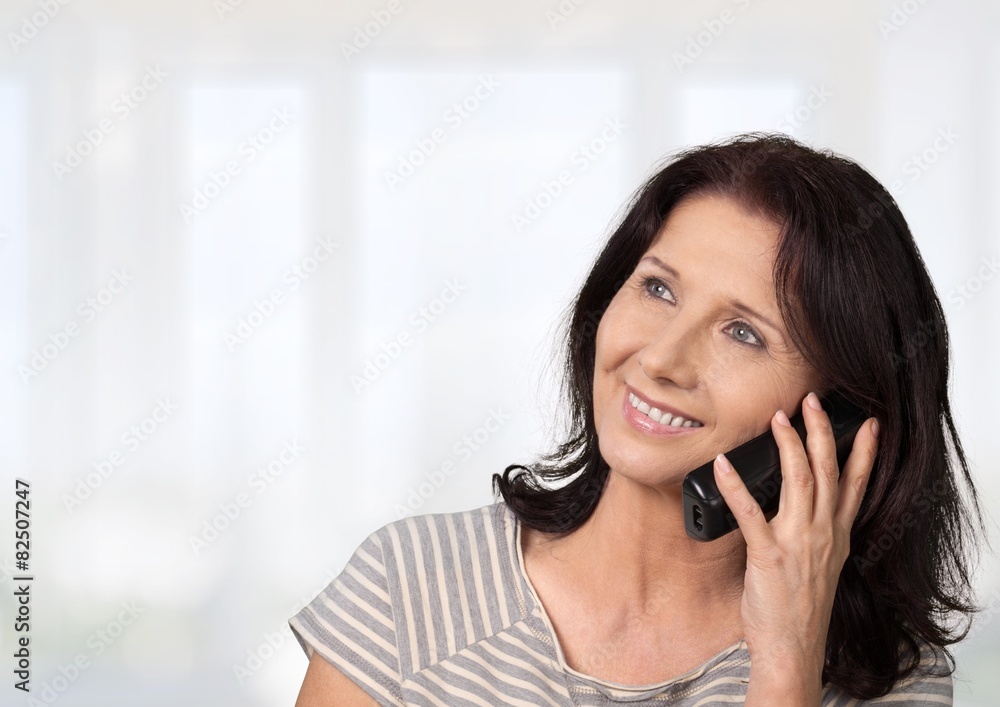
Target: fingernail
782 418
813 401
722 464
875 429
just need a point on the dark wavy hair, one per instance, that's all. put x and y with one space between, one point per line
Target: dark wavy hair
856 297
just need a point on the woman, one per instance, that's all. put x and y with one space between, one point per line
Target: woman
747 278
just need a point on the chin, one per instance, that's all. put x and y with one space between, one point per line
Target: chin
642 469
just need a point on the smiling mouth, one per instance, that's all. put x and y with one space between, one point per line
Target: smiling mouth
660 416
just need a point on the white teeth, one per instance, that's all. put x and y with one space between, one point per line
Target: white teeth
664 418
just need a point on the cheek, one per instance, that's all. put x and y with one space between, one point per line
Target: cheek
625 327
611 341
728 372
752 394
614 343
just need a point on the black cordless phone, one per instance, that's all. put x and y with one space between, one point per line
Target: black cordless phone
706 515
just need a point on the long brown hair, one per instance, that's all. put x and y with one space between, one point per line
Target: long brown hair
857 299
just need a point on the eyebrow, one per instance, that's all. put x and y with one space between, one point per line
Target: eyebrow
735 303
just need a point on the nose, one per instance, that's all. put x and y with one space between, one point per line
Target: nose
676 351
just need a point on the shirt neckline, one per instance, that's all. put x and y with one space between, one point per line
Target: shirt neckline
622 689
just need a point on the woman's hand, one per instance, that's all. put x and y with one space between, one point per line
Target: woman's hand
794 562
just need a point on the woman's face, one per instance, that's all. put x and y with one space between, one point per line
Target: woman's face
696 332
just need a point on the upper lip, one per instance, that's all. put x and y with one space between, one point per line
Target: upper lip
662 407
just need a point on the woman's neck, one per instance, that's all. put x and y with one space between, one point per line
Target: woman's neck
633 555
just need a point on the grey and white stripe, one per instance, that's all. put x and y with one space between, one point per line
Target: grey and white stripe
436 609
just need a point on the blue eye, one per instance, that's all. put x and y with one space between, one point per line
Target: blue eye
741 332
649 283
745 334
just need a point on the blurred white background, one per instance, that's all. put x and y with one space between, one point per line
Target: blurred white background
265 267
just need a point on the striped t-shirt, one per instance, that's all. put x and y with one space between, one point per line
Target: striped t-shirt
437 609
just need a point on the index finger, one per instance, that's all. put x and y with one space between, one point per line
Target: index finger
742 504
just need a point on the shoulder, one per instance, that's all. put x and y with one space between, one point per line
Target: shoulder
451 579
930 682
414 592
477 530
935 665
934 662
466 556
